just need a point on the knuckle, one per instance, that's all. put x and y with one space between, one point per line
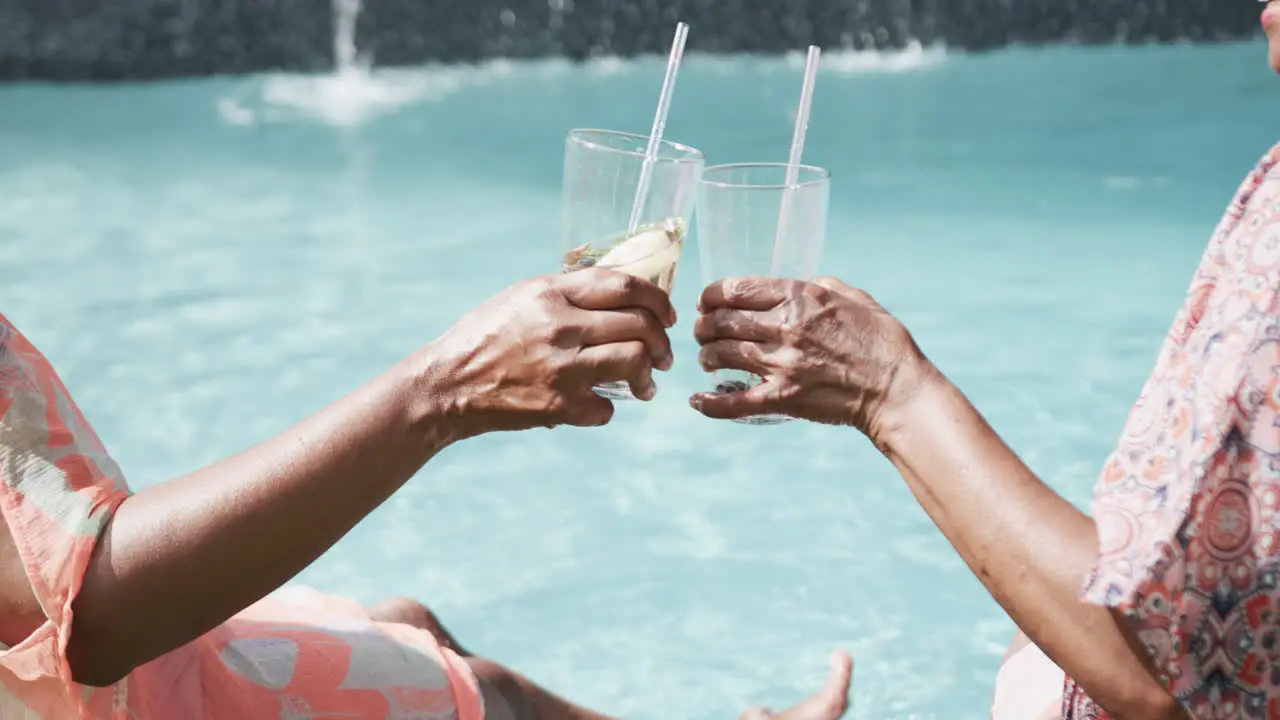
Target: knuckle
792 321
547 292
826 317
556 410
624 282
737 288
861 296
549 283
596 280
818 291
565 367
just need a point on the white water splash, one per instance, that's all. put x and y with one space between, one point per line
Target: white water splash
851 62
355 94
349 96
345 15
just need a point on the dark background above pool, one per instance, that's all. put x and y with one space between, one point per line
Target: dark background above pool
123 39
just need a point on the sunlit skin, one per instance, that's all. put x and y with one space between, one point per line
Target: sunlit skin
830 353
181 557
1271 26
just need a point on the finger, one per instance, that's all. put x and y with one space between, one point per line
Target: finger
734 324
745 293
588 410
602 289
604 327
832 700
758 400
733 355
625 361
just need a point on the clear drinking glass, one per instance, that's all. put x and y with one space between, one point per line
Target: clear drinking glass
751 223
602 171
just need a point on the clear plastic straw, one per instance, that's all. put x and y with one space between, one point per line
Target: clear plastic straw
797 154
659 126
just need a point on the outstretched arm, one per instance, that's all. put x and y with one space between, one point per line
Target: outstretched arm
829 353
1029 546
180 558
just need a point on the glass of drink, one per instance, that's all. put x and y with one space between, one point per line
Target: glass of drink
602 190
753 223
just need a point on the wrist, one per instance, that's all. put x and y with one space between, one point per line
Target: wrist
435 402
915 383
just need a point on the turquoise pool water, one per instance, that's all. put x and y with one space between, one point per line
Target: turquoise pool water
209 261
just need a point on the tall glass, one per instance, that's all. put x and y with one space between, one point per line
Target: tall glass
751 223
602 173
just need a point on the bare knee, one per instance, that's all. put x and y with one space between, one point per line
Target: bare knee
402 610
504 695
408 611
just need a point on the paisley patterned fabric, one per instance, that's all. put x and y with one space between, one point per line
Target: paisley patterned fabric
1188 505
295 655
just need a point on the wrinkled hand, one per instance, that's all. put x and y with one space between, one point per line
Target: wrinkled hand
827 352
530 356
829 703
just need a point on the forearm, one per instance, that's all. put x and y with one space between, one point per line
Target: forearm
180 558
1029 547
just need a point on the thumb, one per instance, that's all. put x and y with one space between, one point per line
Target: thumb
733 405
832 701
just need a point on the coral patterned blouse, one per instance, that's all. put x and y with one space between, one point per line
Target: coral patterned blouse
1188 505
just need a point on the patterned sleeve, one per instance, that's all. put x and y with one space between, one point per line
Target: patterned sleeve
57 490
1188 505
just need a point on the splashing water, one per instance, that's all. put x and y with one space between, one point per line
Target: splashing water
349 96
356 93
345 15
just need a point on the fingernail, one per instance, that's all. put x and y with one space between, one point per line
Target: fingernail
649 392
666 361
695 402
671 321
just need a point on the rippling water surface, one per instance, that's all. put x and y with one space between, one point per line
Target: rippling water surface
209 261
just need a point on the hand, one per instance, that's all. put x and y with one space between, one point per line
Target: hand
530 356
826 352
829 703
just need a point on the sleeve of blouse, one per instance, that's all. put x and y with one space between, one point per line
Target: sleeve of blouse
58 488
1188 505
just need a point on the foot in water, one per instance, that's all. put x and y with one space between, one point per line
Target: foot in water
829 703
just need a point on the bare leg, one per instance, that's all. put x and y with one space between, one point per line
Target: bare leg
511 696
414 614
507 694
829 703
